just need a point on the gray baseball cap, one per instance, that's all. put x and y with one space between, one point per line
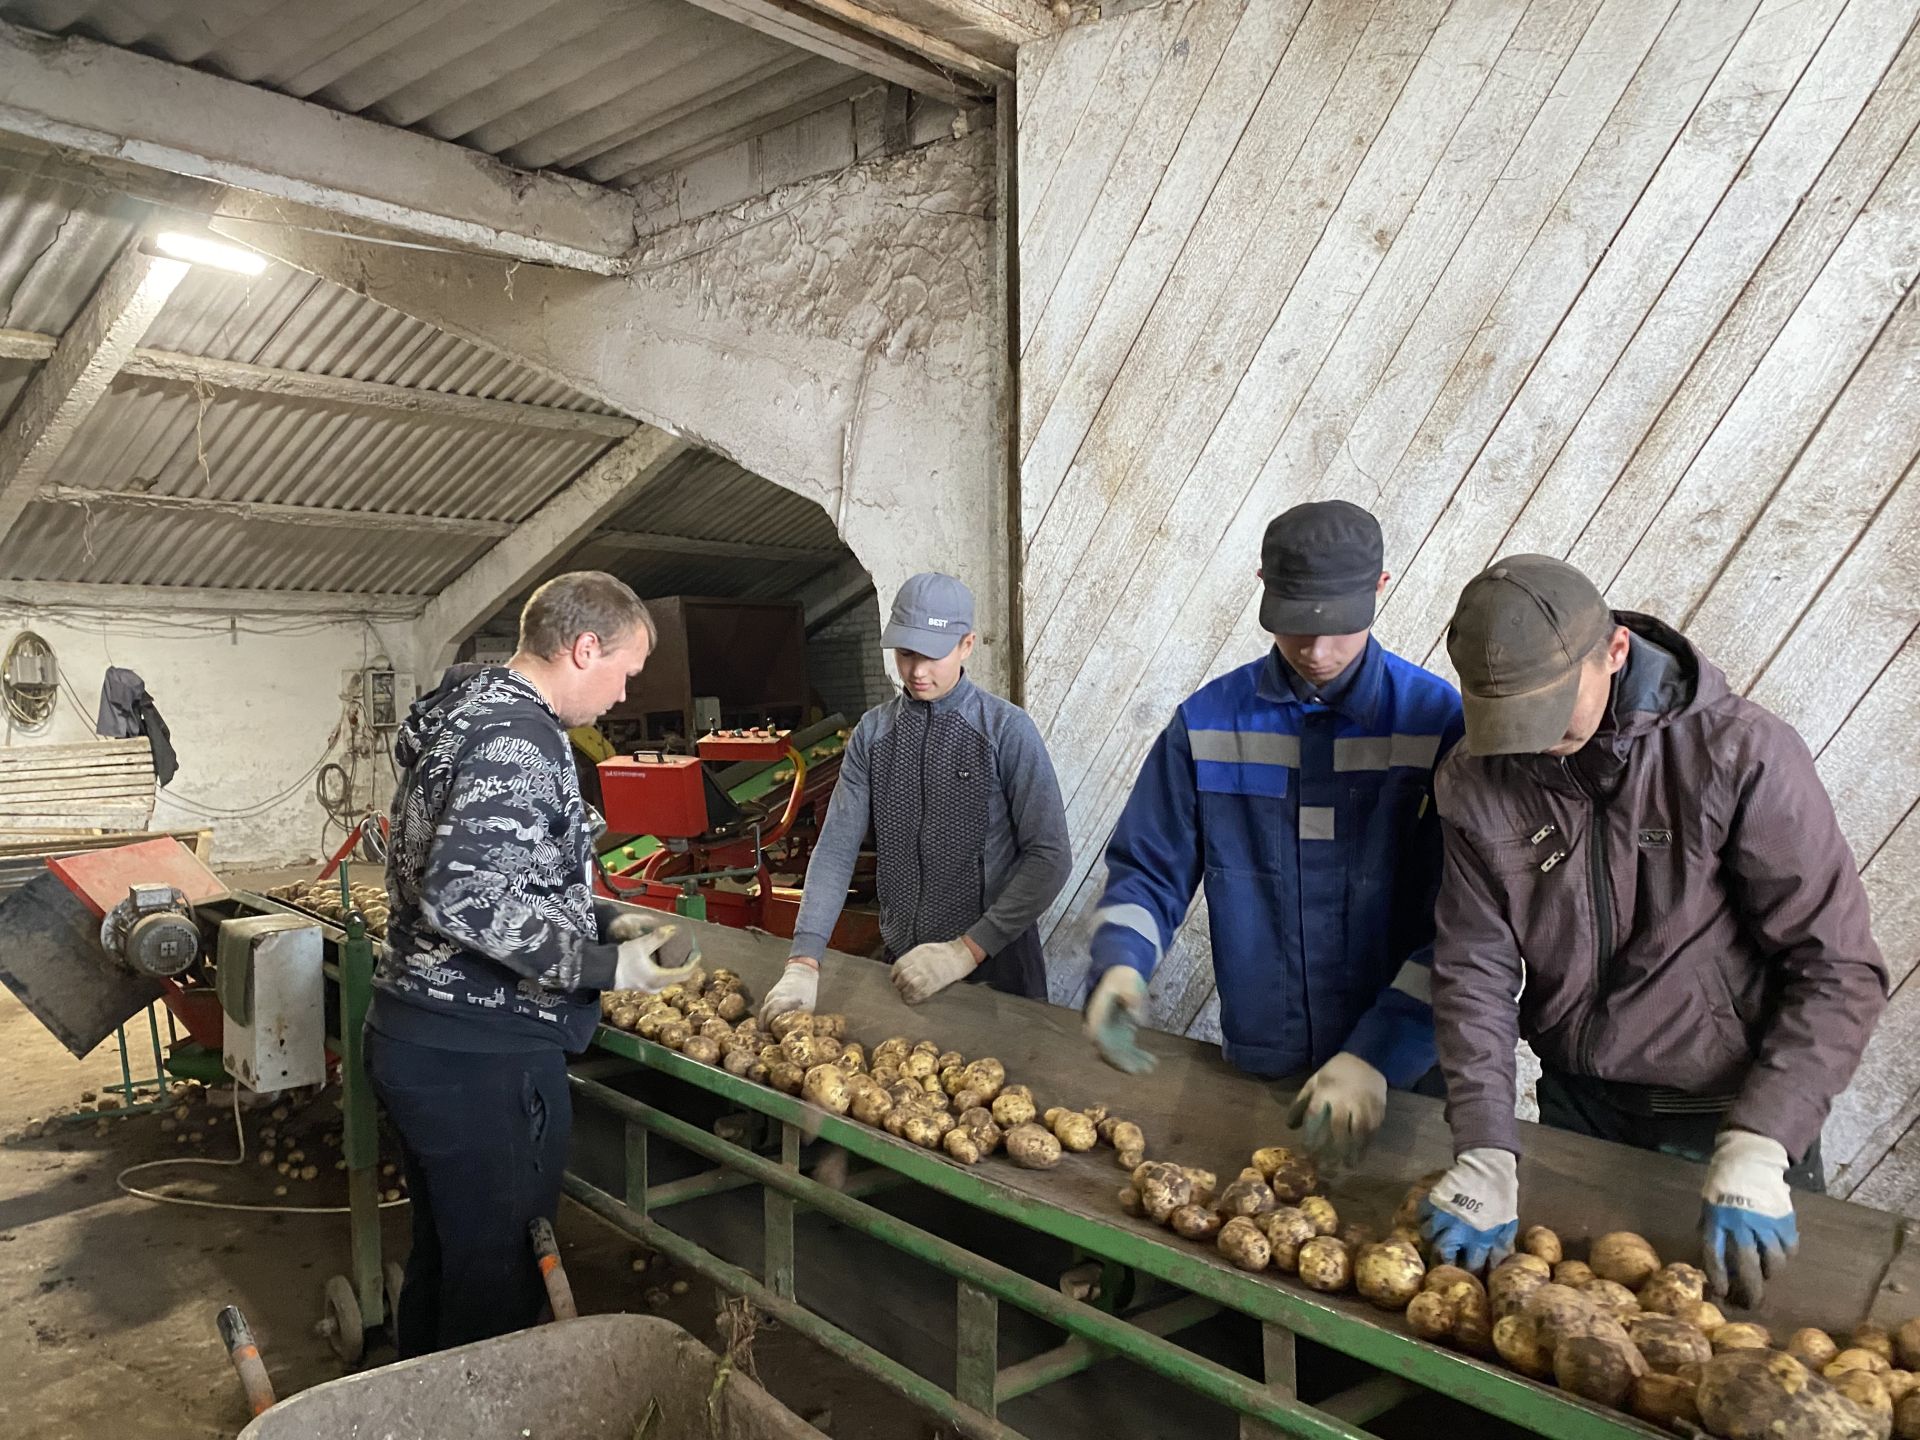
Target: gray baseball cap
1518 637
932 613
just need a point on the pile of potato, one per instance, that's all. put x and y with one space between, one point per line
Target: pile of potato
914 1090
322 898
1620 1328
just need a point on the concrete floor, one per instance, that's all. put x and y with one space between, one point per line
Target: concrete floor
107 1302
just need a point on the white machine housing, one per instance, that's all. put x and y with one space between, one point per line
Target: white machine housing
273 993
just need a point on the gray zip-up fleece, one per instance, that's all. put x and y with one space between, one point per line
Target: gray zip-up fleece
968 825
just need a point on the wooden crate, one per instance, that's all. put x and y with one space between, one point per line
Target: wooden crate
94 785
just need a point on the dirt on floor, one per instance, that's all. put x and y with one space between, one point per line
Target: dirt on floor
107 1302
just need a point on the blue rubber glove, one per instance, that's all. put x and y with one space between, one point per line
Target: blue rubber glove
1472 1214
1746 1225
1118 1005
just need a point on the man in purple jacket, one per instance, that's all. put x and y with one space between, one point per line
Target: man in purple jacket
1645 879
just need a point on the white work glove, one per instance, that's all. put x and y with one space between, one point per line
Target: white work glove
796 989
1342 1104
644 935
1746 1225
1473 1211
927 969
1116 1009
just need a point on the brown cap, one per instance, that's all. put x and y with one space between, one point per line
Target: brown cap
1517 637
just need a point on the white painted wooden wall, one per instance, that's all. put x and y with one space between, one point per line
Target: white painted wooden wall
1626 281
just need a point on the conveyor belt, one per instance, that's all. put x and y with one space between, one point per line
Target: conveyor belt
1198 1110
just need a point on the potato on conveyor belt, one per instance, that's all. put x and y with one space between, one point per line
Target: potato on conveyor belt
1286 1229
1624 1257
1290 1174
1194 1222
1030 1146
1612 1296
1320 1214
1813 1348
1597 1368
1664 1400
1542 1242
1742 1336
1769 1395
1164 1190
1517 1340
1667 1343
1673 1288
1326 1265
1245 1197
1869 1392
1241 1242
1388 1276
1408 1211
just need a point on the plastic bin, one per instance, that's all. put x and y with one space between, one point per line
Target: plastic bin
599 1377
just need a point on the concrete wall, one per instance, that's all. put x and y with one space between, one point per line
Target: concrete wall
846 665
1626 283
251 714
836 336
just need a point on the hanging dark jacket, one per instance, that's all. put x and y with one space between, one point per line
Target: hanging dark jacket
1674 906
126 711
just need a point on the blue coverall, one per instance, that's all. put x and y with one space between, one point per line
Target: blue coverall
1311 824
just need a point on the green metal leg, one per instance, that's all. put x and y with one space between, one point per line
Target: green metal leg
1370 1399
638 1195
792 1314
779 1220
360 1132
1277 1352
1203 1376
1077 1355
976 1363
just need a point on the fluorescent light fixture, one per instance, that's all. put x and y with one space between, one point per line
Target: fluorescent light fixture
202 250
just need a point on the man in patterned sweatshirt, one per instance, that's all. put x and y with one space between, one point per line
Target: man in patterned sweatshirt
496 954
969 830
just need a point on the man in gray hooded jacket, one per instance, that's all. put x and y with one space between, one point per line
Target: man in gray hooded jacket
970 833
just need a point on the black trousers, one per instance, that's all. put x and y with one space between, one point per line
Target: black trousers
484 1138
1628 1115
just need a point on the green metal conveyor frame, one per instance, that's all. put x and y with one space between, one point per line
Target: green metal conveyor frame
1407 1366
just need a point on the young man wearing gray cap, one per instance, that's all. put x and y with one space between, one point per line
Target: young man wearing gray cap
970 836
1297 788
1699 976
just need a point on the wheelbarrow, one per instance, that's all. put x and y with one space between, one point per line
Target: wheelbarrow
588 1378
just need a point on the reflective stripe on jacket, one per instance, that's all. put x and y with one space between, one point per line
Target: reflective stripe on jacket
1312 828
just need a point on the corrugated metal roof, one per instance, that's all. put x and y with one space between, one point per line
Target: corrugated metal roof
150 436
708 497
59 231
604 89
293 321
58 234
111 545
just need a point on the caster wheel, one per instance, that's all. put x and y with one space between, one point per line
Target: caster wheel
393 1273
341 1322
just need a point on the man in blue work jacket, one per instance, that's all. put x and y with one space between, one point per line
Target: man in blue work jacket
1299 789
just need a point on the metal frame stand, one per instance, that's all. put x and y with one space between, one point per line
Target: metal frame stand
982 1384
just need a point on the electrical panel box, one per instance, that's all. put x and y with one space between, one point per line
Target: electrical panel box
384 697
274 1002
